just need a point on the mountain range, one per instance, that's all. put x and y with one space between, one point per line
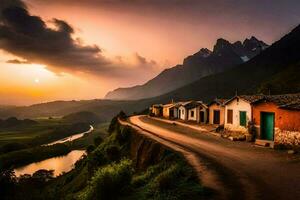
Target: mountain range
224 56
275 70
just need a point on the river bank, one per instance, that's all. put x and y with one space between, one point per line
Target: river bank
60 162
81 141
59 165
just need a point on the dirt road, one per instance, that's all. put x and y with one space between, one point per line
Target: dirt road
236 170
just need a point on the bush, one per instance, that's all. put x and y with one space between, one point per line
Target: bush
123 135
90 148
97 141
13 146
167 178
109 182
113 153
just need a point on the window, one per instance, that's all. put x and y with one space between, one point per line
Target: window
229 116
192 113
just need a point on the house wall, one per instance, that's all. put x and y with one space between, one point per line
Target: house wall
284 119
205 114
236 106
175 112
166 112
211 113
196 114
183 113
287 123
157 111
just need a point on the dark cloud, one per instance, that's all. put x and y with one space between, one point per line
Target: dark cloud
28 37
17 61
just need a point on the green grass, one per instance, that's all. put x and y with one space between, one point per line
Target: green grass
100 130
108 173
21 144
23 134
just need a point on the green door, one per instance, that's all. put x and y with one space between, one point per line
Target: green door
267 126
243 121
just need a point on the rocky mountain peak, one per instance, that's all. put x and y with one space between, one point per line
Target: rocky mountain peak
253 44
204 52
221 44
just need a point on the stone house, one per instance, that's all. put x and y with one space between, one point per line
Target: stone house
216 111
277 119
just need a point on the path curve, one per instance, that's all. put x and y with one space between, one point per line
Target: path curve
237 170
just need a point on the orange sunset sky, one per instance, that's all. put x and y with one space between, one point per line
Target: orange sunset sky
127 42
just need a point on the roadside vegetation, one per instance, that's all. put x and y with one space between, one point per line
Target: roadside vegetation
107 172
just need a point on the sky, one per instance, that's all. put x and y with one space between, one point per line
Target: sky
65 49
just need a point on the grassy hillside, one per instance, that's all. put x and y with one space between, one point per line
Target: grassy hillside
287 81
83 116
111 171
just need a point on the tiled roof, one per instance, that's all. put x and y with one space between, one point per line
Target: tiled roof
247 98
293 105
192 104
288 101
157 105
169 105
252 98
221 102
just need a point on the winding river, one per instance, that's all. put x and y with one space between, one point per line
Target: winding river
59 164
70 138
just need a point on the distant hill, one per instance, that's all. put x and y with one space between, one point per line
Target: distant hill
13 122
275 70
84 117
224 56
104 109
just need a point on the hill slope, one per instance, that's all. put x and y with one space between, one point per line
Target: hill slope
83 117
203 63
276 70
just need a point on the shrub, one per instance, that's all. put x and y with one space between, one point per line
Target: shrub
13 146
97 141
167 178
109 182
113 153
90 148
123 135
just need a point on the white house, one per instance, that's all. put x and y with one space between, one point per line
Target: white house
182 111
238 112
194 111
197 111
